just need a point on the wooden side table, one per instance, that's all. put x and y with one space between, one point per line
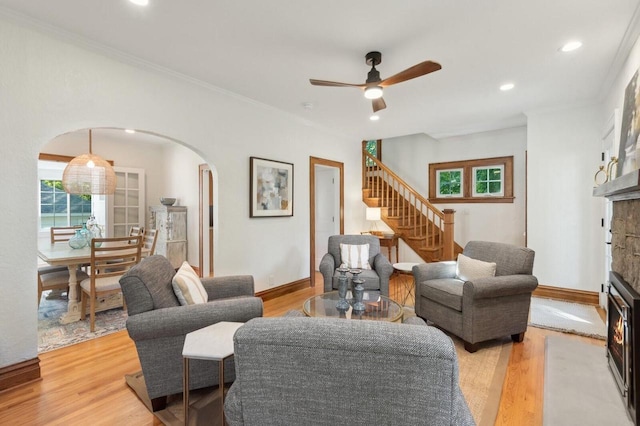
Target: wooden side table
389 242
214 343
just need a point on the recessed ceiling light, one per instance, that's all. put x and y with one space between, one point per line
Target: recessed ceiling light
507 86
140 2
571 46
130 131
374 117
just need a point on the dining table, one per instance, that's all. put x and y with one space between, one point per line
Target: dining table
61 254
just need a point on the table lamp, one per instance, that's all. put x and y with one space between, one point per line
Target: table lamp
373 215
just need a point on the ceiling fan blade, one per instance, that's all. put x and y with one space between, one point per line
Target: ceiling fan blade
378 104
418 70
335 84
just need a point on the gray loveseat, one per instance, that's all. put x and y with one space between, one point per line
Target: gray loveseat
482 309
324 371
376 278
158 324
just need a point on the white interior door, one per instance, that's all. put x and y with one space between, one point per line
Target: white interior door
327 191
127 207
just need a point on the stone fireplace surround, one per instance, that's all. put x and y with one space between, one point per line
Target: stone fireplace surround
625 283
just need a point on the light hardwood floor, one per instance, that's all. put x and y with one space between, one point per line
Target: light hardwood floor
84 383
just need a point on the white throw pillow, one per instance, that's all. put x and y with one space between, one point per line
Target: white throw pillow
355 256
188 287
469 269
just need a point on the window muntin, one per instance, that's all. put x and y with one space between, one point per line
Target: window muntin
449 183
488 181
57 208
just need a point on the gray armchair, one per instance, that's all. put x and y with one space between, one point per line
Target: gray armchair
376 278
326 371
481 309
158 324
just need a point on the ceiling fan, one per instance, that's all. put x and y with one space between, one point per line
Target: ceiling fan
374 85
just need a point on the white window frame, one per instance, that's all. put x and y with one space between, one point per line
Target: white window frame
440 195
494 194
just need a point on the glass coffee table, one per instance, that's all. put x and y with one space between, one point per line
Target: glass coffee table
378 307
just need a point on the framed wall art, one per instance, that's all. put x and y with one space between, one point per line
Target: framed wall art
628 160
271 192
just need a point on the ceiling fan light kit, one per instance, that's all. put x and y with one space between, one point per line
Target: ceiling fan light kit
373 92
374 85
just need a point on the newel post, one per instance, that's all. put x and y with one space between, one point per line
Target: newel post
447 253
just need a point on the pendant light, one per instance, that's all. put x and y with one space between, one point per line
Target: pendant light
89 174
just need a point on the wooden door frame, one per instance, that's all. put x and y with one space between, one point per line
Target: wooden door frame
313 162
201 228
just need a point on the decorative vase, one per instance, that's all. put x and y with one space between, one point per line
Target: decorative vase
86 233
342 304
358 291
78 241
355 273
96 232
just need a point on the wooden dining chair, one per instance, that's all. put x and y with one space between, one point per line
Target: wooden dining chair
150 240
110 259
57 277
63 233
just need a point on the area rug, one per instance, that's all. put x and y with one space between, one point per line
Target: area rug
204 404
481 374
53 335
579 389
567 317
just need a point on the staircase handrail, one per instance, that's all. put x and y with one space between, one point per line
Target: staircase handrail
400 181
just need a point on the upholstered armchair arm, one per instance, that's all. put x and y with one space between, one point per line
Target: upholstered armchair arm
180 320
504 285
231 286
414 321
327 268
382 266
433 271
384 269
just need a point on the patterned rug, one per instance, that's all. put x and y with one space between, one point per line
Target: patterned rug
53 335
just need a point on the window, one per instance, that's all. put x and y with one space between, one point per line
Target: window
57 208
486 180
374 149
449 183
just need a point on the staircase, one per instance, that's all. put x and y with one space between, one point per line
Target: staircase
424 228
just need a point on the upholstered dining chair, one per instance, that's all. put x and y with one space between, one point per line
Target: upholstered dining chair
57 277
485 295
110 259
357 252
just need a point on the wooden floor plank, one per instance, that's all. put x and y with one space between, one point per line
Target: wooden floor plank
84 383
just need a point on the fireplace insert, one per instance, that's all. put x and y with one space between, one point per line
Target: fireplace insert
623 328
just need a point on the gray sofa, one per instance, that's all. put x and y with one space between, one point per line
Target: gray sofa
158 324
376 278
481 309
325 371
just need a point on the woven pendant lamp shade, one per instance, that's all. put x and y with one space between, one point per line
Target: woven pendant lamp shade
89 174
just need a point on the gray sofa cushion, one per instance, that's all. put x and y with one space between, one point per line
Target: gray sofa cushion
328 371
154 270
446 291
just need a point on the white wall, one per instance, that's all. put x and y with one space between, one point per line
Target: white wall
409 157
564 225
49 87
181 182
